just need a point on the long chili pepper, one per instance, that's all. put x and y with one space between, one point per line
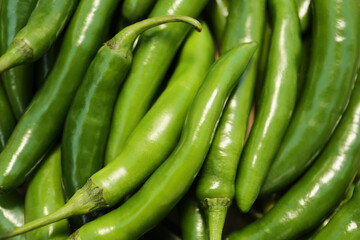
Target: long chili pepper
150 143
7 119
44 195
41 124
135 10
153 55
172 179
18 82
45 24
216 187
276 105
88 120
320 190
11 213
330 80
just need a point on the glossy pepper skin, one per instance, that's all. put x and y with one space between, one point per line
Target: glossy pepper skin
7 119
151 142
42 122
276 105
11 213
45 195
45 64
136 10
153 55
216 186
18 82
320 190
45 24
330 80
88 120
172 179
217 12
304 13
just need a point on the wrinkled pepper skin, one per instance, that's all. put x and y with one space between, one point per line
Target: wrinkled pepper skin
330 80
19 81
155 51
7 119
11 213
42 122
45 195
320 190
169 183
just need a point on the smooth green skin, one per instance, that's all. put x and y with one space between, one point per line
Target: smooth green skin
155 51
135 10
217 12
192 218
11 213
345 223
18 82
277 102
88 120
320 190
304 13
43 121
172 179
45 195
217 181
44 65
330 80
45 24
7 119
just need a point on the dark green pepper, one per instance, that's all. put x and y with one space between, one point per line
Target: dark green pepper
7 119
11 213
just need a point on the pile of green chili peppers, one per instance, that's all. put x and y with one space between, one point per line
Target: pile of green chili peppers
180 119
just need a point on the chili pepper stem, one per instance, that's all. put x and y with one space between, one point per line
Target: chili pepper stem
17 53
216 209
85 200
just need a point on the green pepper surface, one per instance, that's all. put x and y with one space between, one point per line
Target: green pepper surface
7 119
172 179
152 140
45 64
217 12
216 187
45 24
135 10
320 190
45 195
330 80
88 120
276 105
18 82
42 122
304 13
154 53
11 213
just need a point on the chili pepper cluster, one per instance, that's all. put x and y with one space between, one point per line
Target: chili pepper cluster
117 118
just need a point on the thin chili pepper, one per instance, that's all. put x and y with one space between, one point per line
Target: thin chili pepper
88 120
11 213
18 82
136 10
154 53
172 179
7 119
42 123
319 190
45 24
330 80
151 142
44 195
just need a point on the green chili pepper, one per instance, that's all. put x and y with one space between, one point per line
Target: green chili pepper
88 120
45 64
45 195
155 50
135 10
41 124
18 82
304 13
151 142
276 105
217 12
7 119
173 178
45 24
11 213
216 187
330 80
320 189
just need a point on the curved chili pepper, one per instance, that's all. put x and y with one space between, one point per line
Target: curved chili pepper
330 80
172 179
7 119
45 195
